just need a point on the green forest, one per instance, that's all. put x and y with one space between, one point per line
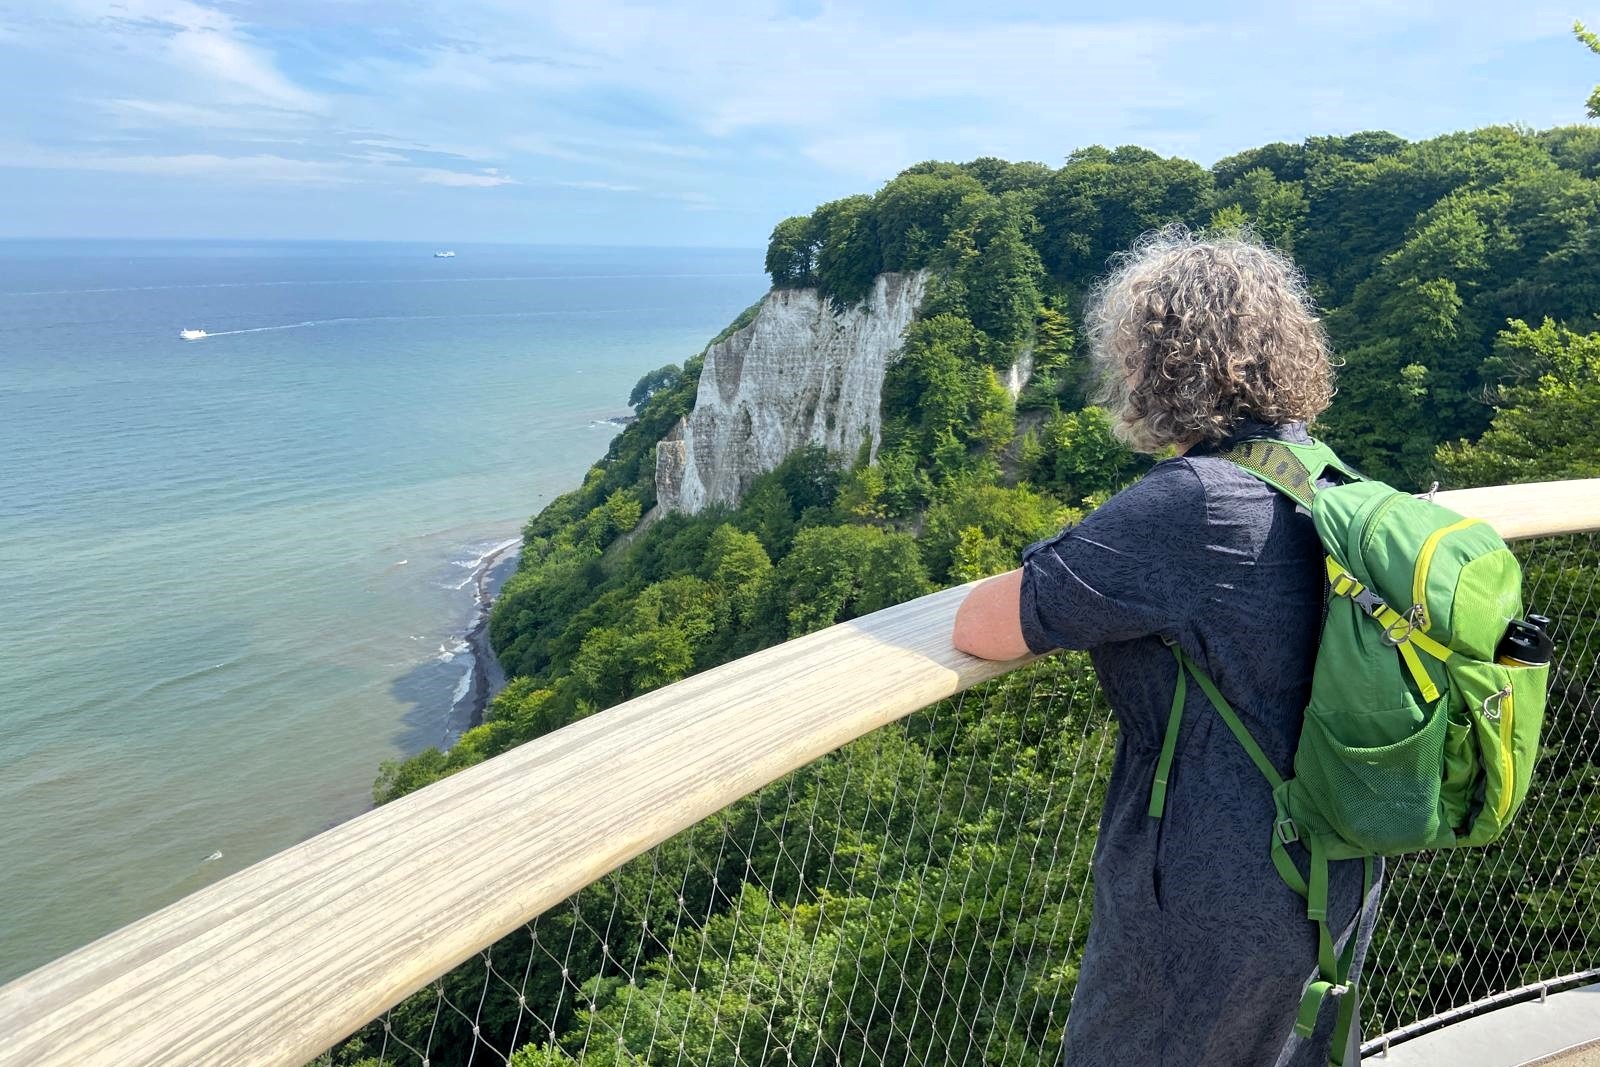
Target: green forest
1459 278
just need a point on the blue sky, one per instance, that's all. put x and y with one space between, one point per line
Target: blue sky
610 122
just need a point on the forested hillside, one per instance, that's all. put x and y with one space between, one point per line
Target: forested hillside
1460 279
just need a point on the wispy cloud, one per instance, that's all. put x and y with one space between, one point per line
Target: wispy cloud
148 114
258 168
202 46
228 61
609 187
698 118
462 179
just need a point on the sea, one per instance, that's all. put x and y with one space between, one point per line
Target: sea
237 572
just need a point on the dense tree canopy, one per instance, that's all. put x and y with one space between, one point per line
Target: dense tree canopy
1546 424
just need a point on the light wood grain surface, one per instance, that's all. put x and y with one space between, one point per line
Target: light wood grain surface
1536 509
280 961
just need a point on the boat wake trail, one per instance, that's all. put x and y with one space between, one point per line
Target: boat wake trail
203 335
258 329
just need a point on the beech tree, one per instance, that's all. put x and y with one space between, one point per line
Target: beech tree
792 253
1545 426
1591 42
914 214
652 383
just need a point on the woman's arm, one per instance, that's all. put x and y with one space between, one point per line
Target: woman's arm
989 621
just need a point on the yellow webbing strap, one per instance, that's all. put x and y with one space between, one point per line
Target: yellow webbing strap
1344 584
1430 646
1419 673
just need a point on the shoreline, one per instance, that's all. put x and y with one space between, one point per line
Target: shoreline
487 676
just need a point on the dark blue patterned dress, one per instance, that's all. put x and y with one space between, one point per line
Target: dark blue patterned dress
1198 952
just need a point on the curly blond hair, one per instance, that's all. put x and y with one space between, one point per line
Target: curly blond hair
1190 336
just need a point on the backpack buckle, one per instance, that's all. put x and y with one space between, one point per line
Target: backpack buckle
1286 831
1368 601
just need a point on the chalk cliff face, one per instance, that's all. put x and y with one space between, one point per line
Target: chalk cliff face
797 375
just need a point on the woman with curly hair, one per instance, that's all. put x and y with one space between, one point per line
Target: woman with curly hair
1197 951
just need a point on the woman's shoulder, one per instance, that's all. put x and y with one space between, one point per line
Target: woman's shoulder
1224 482
1168 492
1175 479
1205 495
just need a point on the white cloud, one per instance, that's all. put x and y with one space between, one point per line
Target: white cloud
743 109
205 56
609 187
256 167
383 142
380 156
148 113
261 167
162 14
223 58
831 85
461 179
460 151
582 149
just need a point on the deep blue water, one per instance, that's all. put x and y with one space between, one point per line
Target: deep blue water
234 571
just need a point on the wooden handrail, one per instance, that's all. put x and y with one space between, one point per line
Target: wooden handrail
1534 509
282 960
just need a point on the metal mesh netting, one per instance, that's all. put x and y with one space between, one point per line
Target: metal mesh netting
922 895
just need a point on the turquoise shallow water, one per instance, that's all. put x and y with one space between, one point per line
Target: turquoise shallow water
234 572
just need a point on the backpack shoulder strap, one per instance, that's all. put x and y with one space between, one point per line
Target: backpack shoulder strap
1287 466
1333 968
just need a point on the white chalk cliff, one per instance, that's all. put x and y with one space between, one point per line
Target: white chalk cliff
798 375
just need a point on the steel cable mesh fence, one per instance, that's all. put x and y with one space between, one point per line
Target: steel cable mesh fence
922 896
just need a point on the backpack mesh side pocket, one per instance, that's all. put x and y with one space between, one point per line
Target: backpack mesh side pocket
1383 799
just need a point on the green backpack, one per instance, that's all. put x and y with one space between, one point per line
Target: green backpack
1415 737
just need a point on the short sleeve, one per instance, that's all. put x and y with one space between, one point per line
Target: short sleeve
1126 571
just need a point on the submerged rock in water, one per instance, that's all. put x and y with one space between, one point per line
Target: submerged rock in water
800 374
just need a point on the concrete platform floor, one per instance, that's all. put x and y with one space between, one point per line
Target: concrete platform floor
1564 1031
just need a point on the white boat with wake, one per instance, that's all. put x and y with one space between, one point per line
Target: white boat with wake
444 255
191 335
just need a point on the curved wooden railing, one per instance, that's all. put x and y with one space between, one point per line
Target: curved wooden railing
278 962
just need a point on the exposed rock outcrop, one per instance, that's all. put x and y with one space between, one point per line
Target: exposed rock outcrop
798 375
